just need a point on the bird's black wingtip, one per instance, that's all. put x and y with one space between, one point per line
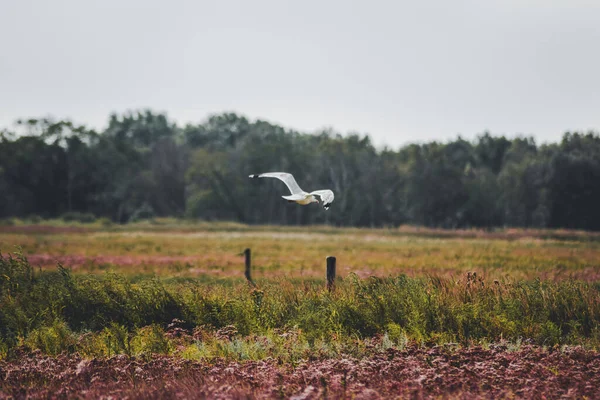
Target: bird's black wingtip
254 176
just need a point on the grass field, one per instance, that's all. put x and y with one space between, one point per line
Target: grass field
176 292
212 251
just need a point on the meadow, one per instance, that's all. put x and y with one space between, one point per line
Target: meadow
86 298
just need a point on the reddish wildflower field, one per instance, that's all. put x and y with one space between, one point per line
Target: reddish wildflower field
416 372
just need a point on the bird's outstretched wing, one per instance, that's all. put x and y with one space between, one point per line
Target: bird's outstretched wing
326 197
288 179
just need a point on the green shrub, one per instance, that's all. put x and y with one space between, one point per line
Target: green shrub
549 334
16 274
53 339
129 317
151 340
76 216
105 222
7 221
34 219
117 339
397 335
4 347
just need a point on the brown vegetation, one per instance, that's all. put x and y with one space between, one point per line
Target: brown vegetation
529 372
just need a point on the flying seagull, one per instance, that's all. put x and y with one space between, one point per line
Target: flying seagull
298 195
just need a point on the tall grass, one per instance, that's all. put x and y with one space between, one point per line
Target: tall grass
55 310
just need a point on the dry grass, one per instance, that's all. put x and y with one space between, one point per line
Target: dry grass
212 250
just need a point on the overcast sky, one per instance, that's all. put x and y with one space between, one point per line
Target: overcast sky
401 71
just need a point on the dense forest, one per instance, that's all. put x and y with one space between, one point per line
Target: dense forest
144 165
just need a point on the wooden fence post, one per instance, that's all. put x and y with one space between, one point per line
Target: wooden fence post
330 273
248 265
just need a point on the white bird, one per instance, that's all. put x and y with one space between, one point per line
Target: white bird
298 195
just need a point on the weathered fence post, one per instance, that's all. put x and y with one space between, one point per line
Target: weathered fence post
330 273
248 265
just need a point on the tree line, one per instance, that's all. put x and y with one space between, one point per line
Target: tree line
143 165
